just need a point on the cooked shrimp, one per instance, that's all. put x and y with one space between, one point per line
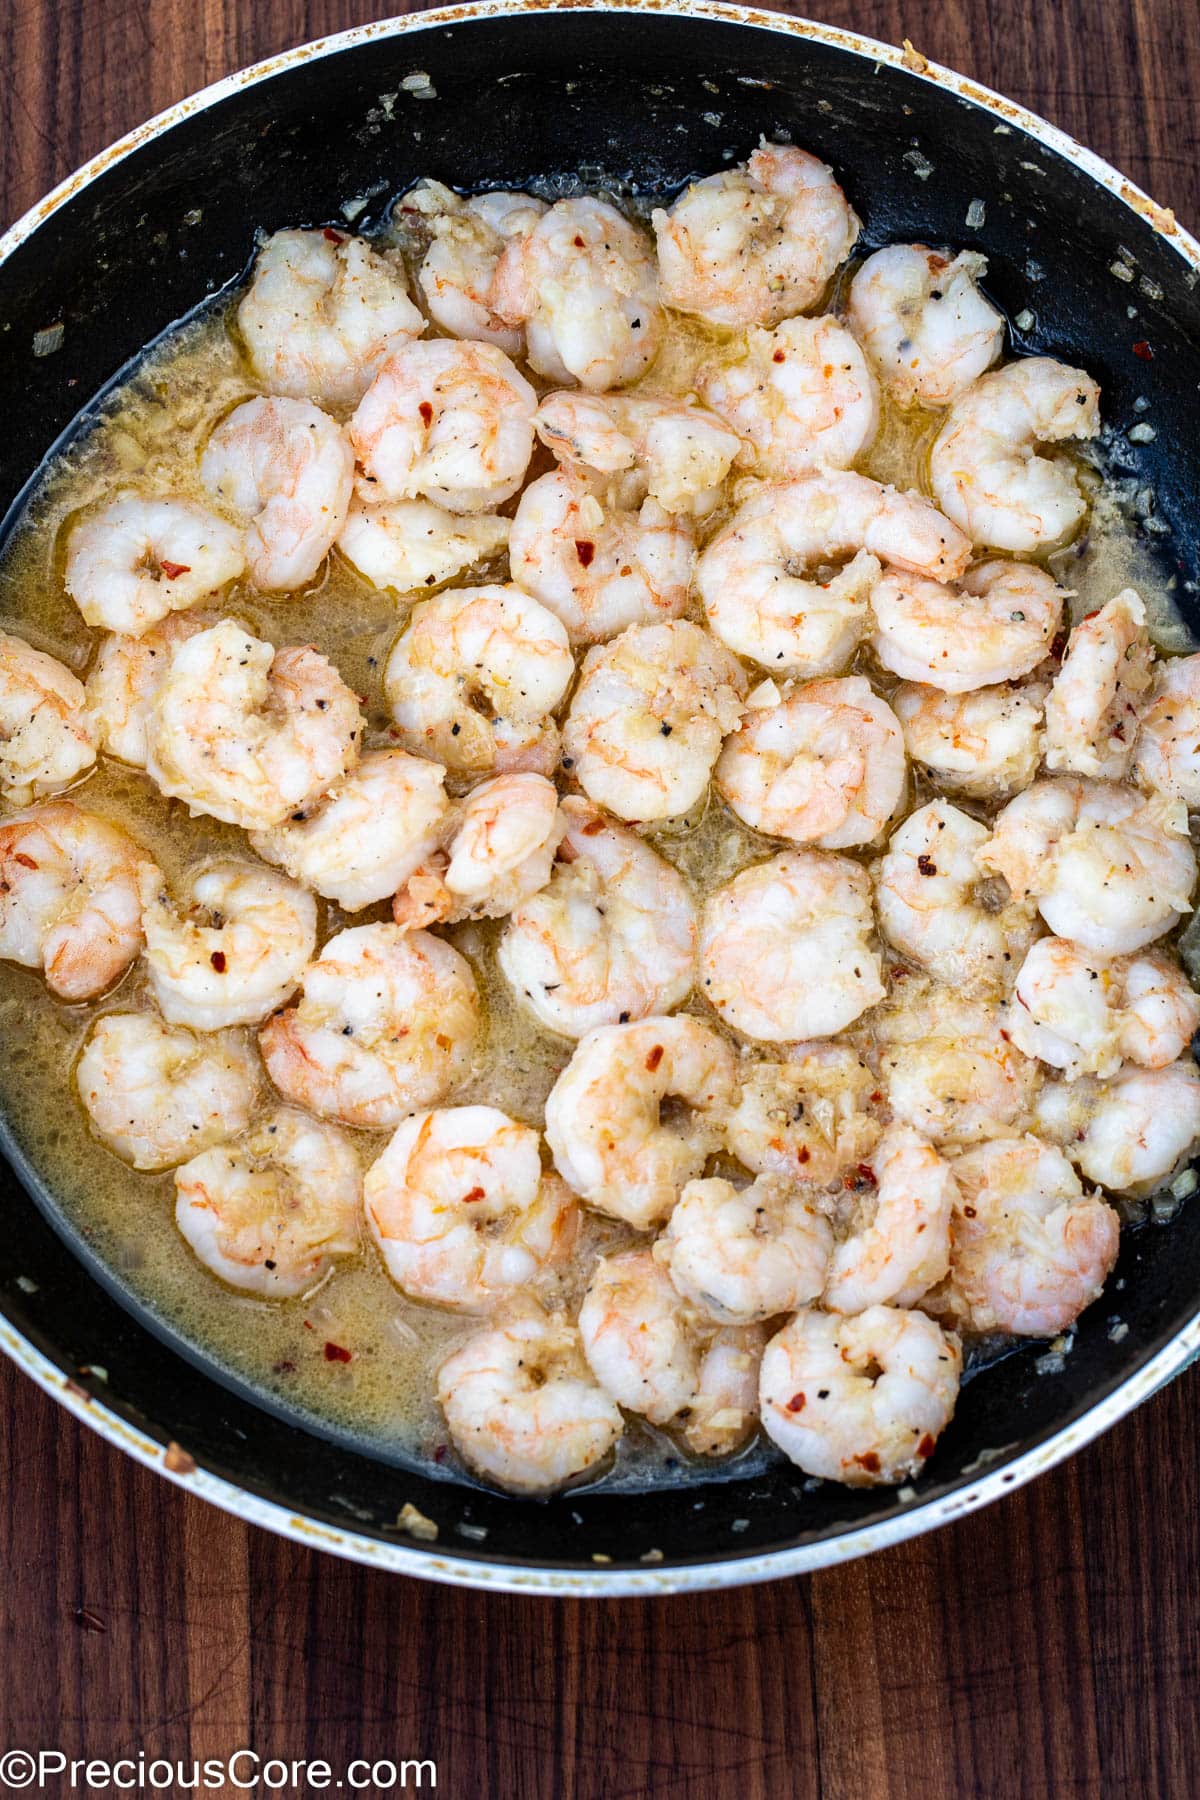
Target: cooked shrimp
69 901
752 580
409 544
610 938
808 1118
1031 1249
473 679
1167 753
756 243
125 679
157 1094
784 947
1129 1134
985 469
673 451
522 1407
935 906
860 1400
647 719
386 1023
741 1254
288 468
598 565
1097 696
1085 1014
362 839
922 320
724 1409
584 283
271 1212
900 1245
996 624
1161 1012
461 1211
466 238
46 733
951 1069
648 1348
248 733
803 395
500 844
323 313
605 1119
447 420
135 560
235 952
1108 867
986 743
825 765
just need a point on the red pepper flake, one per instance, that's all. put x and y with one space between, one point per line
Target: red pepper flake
439 1455
925 1447
969 1212
866 1171
336 1353
335 237
803 1154
578 242
584 551
217 959
308 1325
1142 349
173 571
88 1620
927 865
286 1367
796 1403
26 862
779 356
654 1058
870 1462
426 411
476 1193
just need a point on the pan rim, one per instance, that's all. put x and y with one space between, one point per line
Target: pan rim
462 1568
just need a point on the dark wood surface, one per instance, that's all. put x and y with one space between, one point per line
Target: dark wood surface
1049 1646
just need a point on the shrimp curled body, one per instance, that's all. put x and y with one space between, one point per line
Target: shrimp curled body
522 1407
860 1400
69 897
272 1211
235 953
385 1023
604 1123
247 733
461 1211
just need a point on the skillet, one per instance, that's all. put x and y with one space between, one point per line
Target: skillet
637 98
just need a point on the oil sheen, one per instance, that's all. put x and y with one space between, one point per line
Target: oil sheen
149 434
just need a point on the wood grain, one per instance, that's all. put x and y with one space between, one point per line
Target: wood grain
1048 1647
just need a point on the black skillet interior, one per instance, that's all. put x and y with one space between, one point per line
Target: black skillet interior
637 102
